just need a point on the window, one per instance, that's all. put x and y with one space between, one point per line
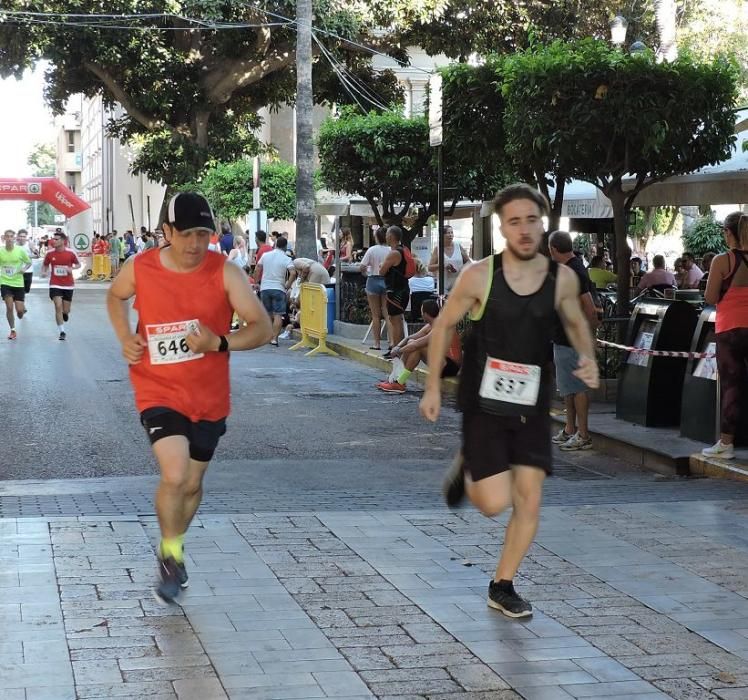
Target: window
71 141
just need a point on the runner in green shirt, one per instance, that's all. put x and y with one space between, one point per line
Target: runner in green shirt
14 261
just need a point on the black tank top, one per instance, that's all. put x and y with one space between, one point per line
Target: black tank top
515 329
395 278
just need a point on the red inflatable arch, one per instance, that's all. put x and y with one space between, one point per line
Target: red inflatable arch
43 189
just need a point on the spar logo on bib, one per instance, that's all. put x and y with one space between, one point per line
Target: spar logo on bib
169 328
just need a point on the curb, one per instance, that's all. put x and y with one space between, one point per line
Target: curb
660 462
375 360
717 468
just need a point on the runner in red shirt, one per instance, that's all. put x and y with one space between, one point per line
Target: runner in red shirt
61 262
179 362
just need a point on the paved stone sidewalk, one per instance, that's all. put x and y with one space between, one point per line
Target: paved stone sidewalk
638 601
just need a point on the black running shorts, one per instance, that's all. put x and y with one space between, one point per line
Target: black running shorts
28 278
203 436
397 301
494 444
66 294
18 293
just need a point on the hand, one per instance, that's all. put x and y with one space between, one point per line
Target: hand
431 404
587 371
133 347
396 351
451 268
201 339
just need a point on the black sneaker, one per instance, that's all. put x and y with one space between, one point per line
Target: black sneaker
170 587
65 317
453 487
510 603
62 335
184 579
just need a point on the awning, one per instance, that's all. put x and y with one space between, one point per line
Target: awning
582 200
331 204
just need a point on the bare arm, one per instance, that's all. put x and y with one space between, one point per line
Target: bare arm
433 265
717 273
393 258
465 256
466 294
576 326
258 272
292 275
121 290
588 308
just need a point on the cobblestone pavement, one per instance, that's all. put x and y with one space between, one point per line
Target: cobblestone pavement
636 601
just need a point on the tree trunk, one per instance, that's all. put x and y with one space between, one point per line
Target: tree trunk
306 246
665 15
623 254
164 211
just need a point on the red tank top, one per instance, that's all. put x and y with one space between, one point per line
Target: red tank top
732 308
166 302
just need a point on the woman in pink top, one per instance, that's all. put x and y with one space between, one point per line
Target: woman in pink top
727 287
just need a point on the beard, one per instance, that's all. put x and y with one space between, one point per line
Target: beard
519 254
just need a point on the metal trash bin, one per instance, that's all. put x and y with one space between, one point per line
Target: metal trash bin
649 389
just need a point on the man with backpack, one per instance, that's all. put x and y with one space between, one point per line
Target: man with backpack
398 267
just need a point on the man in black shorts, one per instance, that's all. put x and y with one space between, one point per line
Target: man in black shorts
22 239
397 289
414 349
59 263
14 261
505 383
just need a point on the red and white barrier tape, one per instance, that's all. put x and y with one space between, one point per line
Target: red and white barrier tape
659 353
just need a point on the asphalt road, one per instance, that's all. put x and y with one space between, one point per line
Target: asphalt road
68 409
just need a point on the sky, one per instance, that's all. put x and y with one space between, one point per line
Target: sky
24 121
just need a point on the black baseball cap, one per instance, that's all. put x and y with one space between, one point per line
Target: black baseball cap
189 211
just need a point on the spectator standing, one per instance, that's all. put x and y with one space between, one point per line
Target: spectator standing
598 273
346 246
371 266
679 272
396 283
130 246
454 258
263 246
575 434
270 274
227 239
727 287
693 273
658 278
115 252
238 254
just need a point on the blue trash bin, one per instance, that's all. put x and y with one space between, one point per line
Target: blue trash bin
330 309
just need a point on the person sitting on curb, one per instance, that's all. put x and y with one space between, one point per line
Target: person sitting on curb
414 349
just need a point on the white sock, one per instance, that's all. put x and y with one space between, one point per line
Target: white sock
61 327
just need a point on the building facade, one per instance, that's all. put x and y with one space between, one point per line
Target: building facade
119 200
69 145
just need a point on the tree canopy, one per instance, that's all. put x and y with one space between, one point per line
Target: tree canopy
228 187
622 122
43 162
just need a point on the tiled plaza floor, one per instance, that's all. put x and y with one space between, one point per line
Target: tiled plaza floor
641 601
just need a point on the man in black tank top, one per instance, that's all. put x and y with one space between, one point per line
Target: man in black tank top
513 299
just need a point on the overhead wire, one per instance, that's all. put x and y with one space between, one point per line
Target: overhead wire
350 79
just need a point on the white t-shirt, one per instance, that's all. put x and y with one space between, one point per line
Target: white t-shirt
422 284
375 256
275 264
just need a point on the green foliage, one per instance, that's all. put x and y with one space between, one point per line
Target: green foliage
192 93
228 187
588 111
43 162
703 235
474 138
385 158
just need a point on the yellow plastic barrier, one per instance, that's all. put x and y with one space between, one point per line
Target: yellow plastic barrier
313 319
102 267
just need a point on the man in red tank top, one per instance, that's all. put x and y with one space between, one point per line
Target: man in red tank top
185 296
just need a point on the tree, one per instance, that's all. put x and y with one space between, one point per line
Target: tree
228 187
652 221
704 235
43 162
386 159
619 121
